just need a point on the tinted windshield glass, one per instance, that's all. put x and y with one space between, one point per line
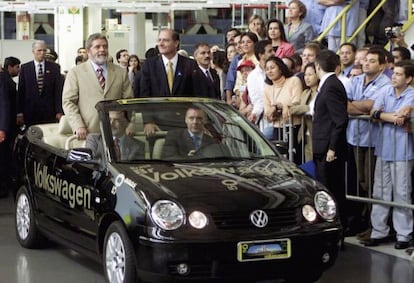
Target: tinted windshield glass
182 131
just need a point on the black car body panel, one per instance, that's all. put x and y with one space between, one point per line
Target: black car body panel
75 202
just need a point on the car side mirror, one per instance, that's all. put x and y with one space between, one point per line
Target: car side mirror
81 155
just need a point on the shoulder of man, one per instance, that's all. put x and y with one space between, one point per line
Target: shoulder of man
27 65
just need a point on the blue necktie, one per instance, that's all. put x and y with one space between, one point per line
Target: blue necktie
196 141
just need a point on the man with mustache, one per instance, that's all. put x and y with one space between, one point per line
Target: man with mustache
91 82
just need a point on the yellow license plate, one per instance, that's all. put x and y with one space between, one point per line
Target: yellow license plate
263 250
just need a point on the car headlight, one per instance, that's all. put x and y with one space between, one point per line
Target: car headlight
325 205
167 215
197 219
309 213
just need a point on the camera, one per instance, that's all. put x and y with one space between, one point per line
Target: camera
394 31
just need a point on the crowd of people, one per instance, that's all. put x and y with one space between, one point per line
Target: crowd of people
277 76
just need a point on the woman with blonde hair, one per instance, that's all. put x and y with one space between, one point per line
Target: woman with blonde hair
257 26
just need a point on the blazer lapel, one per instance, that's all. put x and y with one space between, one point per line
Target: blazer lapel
160 69
110 76
90 73
179 73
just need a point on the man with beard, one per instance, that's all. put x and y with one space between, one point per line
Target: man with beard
91 82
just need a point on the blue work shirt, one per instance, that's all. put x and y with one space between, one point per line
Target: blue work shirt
314 14
360 132
394 143
232 73
351 19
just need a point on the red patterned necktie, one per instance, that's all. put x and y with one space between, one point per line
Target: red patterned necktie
101 78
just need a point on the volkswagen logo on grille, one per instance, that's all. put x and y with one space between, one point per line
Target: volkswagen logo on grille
259 218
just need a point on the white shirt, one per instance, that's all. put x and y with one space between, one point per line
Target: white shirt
37 67
255 86
174 61
96 67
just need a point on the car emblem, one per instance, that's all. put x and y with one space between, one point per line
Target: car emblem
259 218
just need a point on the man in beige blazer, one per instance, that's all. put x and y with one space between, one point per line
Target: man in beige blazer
91 82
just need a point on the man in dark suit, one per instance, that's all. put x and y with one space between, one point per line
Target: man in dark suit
205 80
155 79
124 146
8 95
168 74
192 141
329 129
40 88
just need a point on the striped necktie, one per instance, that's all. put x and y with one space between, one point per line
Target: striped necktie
101 78
40 79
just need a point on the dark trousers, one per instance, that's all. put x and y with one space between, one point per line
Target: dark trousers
332 175
5 165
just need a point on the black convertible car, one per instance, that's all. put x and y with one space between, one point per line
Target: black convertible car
153 206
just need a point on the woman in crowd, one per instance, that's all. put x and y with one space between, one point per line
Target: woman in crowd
305 109
276 34
281 92
257 26
248 39
221 65
231 51
298 31
134 67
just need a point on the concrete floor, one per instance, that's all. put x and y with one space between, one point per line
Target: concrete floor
356 264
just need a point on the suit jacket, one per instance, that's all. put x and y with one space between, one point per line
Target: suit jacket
204 86
131 149
179 144
8 95
82 91
154 78
330 118
40 107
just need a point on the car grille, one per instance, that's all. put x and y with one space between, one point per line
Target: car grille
278 218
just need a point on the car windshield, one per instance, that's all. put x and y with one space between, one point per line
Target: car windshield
182 131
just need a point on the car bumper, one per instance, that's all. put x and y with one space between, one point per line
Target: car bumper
217 261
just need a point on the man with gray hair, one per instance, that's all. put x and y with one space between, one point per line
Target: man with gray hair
39 98
90 82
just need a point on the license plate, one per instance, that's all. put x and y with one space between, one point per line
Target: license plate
263 250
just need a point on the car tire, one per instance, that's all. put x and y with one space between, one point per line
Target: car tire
27 232
118 255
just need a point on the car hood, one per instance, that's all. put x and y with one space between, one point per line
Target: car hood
229 185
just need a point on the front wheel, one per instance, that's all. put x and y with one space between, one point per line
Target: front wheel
118 255
25 223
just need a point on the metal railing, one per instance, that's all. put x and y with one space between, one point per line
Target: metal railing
342 17
362 196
